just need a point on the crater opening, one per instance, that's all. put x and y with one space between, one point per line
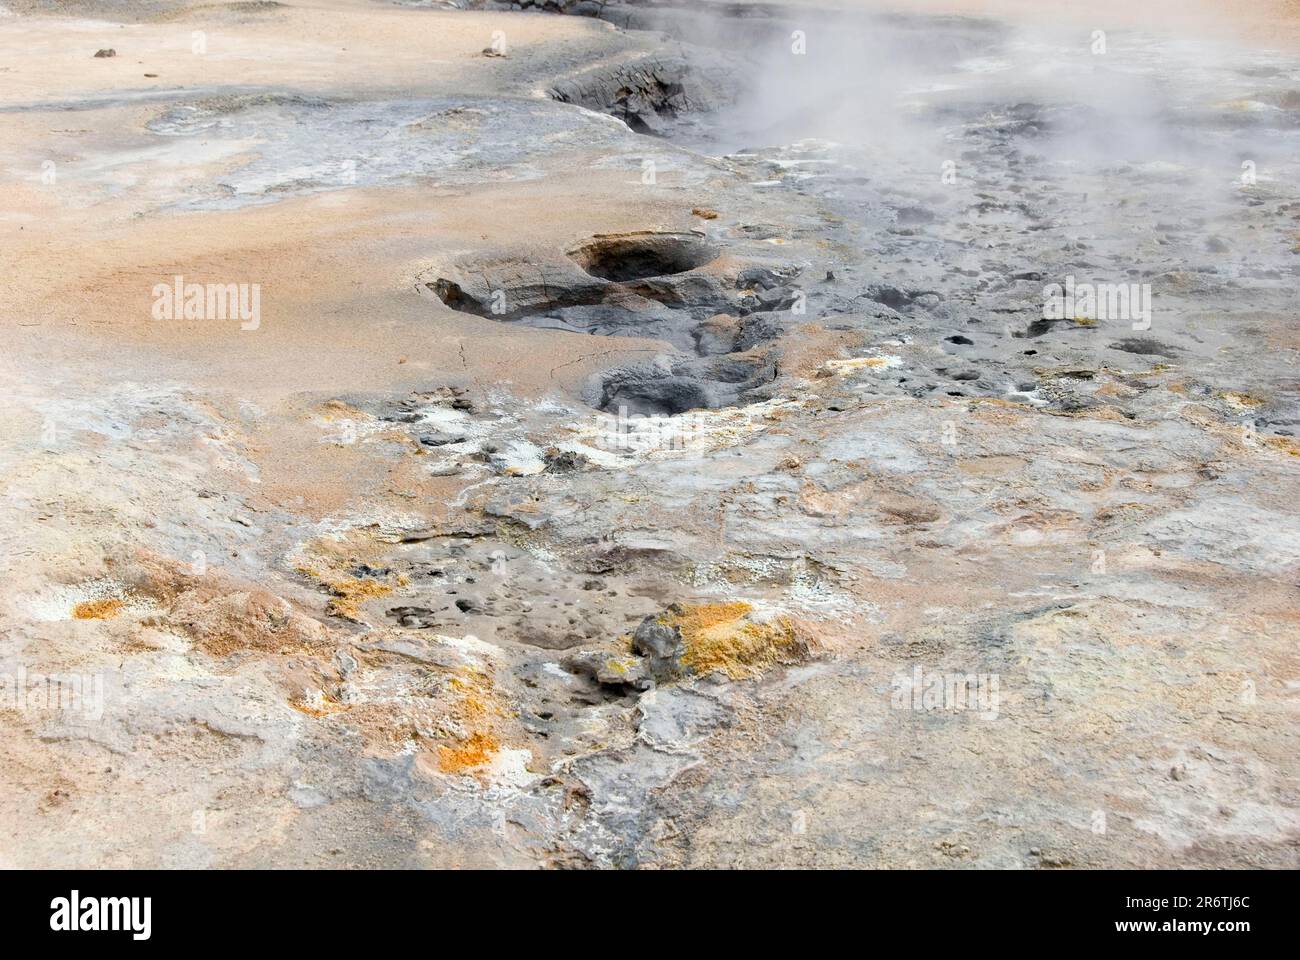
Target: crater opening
638 256
687 384
666 396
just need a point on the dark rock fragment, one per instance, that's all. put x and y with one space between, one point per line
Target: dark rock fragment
662 645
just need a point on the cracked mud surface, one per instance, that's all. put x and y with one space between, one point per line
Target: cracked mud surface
627 417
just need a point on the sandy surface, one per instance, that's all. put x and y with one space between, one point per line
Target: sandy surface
361 609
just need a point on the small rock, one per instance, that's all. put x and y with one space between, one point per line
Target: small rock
778 298
106 52
414 618
889 296
611 670
762 278
663 646
440 439
564 461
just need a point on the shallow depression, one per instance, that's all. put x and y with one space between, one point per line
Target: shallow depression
639 256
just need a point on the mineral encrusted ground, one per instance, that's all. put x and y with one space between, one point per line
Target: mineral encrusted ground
625 442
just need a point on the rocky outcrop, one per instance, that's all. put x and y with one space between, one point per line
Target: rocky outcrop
652 94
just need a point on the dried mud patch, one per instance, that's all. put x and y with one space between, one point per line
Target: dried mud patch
341 566
247 620
435 697
220 613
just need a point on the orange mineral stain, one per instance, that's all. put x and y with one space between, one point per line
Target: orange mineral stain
105 608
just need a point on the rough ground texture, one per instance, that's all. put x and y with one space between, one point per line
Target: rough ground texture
638 416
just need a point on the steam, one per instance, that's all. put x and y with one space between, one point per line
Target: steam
1118 82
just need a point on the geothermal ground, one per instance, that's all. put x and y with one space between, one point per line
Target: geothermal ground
648 435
